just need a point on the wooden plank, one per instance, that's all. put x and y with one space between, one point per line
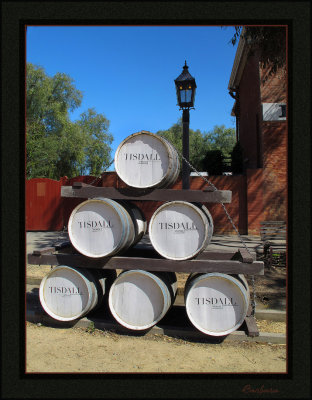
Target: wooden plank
55 246
43 251
252 329
278 248
251 325
148 251
272 222
78 185
61 245
273 230
150 264
246 257
203 196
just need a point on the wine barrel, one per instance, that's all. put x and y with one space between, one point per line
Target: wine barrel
146 160
216 303
68 293
179 230
103 227
139 299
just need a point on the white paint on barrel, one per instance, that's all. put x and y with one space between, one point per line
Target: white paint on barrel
216 303
68 293
138 219
180 230
102 227
146 160
139 299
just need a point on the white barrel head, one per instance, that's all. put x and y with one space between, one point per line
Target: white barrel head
146 160
139 299
103 227
179 230
68 293
216 303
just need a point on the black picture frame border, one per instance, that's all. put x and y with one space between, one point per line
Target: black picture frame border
15 15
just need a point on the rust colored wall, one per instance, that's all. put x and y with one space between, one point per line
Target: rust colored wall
50 211
255 200
43 205
273 88
236 209
264 144
275 170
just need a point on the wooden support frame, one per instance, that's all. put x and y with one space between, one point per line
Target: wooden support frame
81 190
251 325
207 262
144 256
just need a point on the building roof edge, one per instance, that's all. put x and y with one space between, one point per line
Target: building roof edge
239 63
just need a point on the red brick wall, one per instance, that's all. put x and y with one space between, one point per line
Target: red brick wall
275 170
255 200
273 88
264 144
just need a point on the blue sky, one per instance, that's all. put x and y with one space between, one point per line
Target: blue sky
127 72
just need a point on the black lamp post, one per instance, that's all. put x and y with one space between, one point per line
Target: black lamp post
185 87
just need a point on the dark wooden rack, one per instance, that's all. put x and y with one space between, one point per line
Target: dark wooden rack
143 256
207 195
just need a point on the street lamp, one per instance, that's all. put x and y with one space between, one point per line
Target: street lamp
185 87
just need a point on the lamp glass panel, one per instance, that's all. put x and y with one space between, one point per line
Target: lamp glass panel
186 96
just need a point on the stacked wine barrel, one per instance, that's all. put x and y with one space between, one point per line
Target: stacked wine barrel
216 304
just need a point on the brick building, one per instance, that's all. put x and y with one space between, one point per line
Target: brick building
261 129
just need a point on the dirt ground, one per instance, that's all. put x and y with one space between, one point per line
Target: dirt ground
78 350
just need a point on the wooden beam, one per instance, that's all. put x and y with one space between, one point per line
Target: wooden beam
149 264
43 251
251 325
203 196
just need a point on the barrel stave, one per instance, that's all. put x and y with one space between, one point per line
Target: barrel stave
139 299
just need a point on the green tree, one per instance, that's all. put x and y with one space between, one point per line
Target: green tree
94 128
220 138
198 143
269 40
55 145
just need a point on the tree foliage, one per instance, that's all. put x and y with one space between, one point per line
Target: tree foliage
55 145
197 142
269 40
97 148
220 138
213 162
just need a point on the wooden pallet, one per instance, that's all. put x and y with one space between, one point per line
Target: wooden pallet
144 257
235 262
